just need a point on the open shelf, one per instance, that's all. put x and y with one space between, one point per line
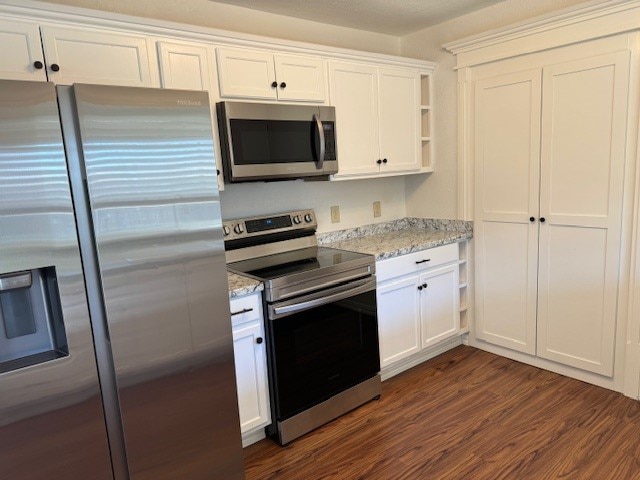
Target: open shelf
426 122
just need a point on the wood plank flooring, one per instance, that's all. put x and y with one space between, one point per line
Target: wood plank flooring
468 414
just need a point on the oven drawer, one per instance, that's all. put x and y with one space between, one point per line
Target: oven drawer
416 262
246 309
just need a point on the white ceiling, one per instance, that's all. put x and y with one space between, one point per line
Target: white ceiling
393 17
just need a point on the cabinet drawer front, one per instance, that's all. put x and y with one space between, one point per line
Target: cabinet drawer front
416 262
246 309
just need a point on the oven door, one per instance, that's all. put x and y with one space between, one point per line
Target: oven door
322 344
262 142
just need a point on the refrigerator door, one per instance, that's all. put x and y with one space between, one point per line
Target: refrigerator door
51 419
148 160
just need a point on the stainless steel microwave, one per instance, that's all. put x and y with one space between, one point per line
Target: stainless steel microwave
274 142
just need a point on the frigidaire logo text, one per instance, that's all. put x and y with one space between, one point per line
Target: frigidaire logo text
189 103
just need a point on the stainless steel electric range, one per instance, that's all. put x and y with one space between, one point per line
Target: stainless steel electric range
320 316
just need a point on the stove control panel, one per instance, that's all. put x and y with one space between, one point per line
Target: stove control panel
288 222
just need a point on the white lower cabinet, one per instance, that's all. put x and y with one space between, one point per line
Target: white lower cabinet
418 305
251 366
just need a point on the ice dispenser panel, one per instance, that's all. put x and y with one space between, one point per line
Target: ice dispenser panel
31 324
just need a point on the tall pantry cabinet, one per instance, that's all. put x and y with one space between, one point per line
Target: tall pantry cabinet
548 147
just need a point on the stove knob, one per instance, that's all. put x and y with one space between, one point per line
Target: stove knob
308 218
297 219
238 228
225 230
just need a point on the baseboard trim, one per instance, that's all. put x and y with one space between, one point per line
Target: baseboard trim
424 355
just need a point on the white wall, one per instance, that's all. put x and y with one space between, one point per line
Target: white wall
354 197
237 19
436 196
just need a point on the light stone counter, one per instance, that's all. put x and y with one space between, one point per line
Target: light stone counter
240 285
398 237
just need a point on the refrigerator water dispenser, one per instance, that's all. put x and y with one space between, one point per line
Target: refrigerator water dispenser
31 324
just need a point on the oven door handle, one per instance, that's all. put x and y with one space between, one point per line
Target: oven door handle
322 298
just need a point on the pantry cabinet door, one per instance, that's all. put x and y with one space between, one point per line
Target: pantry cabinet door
354 94
398 319
507 156
399 93
583 146
97 57
21 49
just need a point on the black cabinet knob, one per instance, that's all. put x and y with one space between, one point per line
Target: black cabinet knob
283 85
424 285
384 160
259 340
378 161
274 84
38 65
55 67
420 287
217 171
532 219
542 219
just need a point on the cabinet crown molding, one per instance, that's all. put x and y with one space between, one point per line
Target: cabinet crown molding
574 24
35 11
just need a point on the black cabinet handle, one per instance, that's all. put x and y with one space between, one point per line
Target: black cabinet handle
423 261
274 84
384 160
542 220
378 161
424 285
217 171
259 340
283 85
38 65
420 287
55 67
240 312
532 219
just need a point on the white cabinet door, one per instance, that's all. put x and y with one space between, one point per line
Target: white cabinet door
582 166
300 78
77 55
439 304
251 375
186 66
398 319
354 94
507 149
399 111
246 74
21 49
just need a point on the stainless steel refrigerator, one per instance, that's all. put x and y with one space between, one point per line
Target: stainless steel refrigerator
116 356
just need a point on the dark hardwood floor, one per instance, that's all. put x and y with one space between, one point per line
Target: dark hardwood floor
468 414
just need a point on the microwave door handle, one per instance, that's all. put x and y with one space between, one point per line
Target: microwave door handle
316 117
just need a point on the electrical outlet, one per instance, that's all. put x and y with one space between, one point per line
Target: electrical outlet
377 209
335 214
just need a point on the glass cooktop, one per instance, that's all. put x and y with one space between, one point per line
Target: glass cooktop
296 261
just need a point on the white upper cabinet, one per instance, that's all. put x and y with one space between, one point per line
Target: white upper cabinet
378 118
399 110
354 94
260 75
185 66
76 55
22 57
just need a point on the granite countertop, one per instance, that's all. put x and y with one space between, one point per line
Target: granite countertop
398 237
240 285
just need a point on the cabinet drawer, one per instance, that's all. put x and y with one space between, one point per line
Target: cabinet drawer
416 262
246 309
